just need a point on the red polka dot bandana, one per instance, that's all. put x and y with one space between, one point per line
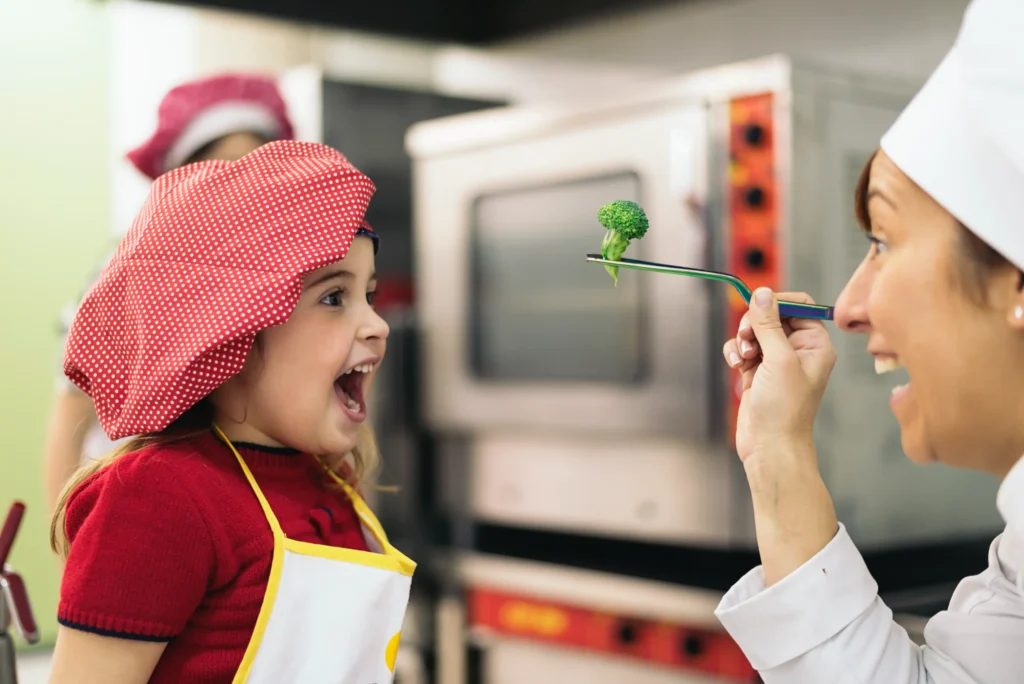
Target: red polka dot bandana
217 253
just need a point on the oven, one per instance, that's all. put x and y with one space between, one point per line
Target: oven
521 334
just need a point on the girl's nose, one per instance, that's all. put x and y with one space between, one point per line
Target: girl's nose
376 327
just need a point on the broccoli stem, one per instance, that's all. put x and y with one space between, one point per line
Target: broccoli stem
613 247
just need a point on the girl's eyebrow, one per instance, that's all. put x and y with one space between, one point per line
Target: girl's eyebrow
337 273
331 275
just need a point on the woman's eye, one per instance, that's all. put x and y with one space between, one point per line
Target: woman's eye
371 297
877 246
333 298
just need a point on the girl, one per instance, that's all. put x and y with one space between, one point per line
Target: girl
233 332
941 293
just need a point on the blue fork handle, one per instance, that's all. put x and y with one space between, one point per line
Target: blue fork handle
816 311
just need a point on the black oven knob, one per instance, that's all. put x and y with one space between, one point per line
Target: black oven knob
627 633
754 197
692 646
755 259
753 135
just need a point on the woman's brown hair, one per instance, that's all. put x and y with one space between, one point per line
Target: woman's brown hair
973 270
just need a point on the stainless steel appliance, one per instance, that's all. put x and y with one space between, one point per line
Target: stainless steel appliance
588 425
546 371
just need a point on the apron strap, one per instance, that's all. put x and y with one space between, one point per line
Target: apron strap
275 526
364 512
368 519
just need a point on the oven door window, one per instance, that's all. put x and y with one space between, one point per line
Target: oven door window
538 311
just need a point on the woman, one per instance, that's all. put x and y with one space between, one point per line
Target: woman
221 117
941 293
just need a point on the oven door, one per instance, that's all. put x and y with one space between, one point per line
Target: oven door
519 330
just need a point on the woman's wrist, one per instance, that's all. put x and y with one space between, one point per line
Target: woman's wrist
783 458
793 511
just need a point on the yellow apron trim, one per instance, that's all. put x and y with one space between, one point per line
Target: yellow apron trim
407 565
354 556
276 566
392 559
271 518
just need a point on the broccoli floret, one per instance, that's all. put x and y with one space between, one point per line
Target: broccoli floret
625 221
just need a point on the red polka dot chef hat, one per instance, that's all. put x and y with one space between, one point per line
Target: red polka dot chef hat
217 253
195 114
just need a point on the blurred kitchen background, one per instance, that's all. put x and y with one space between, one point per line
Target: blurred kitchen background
561 445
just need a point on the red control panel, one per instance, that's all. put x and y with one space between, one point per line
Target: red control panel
671 645
753 253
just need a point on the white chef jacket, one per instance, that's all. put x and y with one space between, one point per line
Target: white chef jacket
825 624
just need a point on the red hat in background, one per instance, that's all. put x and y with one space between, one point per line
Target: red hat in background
217 253
195 114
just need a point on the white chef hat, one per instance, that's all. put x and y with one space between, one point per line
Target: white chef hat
962 137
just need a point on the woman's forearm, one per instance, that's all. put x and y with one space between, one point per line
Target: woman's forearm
793 513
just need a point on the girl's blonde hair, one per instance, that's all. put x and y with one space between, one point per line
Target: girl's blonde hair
357 468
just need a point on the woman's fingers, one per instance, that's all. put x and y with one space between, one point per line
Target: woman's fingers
745 333
731 352
750 350
801 323
734 358
795 297
746 341
747 372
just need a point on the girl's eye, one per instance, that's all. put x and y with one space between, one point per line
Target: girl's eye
333 298
371 297
877 246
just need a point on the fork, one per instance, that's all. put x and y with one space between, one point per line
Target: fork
786 309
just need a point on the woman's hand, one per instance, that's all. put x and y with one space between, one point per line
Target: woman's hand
785 366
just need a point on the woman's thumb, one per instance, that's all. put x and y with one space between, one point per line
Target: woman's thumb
767 326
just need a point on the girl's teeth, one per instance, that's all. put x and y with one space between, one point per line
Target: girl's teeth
352 403
886 365
900 388
365 368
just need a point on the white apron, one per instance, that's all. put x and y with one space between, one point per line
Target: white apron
330 615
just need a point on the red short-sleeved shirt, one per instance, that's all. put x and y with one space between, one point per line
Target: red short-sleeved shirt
170 544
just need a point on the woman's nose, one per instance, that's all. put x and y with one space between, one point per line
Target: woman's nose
851 311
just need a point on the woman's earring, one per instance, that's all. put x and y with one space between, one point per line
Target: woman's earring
1018 313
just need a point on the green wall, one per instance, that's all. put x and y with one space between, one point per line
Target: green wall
54 226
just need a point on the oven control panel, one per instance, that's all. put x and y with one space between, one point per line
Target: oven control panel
754 251
698 651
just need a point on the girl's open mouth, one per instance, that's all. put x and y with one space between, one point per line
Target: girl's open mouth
349 388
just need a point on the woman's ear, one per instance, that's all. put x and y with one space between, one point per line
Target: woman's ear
1016 317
